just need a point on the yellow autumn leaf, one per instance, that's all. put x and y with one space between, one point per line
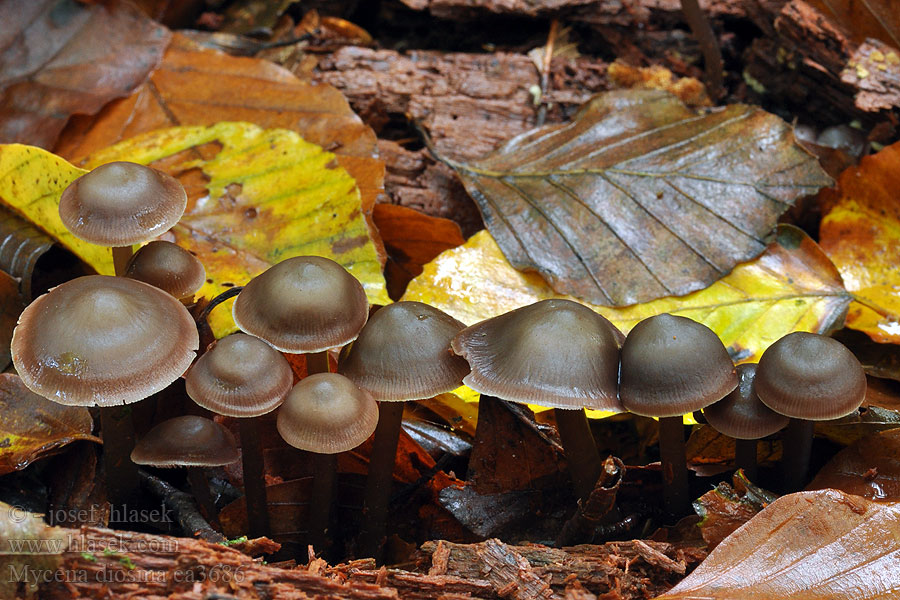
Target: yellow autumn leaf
790 287
860 232
31 181
267 195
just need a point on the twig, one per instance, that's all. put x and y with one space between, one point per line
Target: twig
184 507
712 56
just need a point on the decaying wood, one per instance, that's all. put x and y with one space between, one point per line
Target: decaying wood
101 563
469 103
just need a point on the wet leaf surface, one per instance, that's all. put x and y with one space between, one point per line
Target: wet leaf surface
59 58
411 240
861 234
805 546
792 287
33 427
640 197
870 468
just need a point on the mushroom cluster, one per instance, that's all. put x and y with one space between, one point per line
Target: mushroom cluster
109 341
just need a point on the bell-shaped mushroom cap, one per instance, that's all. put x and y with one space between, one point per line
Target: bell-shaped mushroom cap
241 376
403 353
671 366
169 267
122 203
103 341
809 376
555 353
327 413
303 304
741 414
187 441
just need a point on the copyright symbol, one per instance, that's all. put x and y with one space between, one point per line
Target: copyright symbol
17 514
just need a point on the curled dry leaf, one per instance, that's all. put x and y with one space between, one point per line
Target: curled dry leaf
806 546
33 426
639 197
861 234
870 468
727 507
791 287
63 58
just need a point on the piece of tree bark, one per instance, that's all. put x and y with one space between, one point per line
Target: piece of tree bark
101 563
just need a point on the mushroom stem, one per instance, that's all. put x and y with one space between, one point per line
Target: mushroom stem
676 492
317 362
706 37
324 470
117 431
254 477
745 458
121 255
796 452
582 455
200 490
378 484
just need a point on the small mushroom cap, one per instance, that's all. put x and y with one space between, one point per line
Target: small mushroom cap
403 353
809 376
303 304
122 203
103 341
241 376
555 353
671 366
187 441
741 414
327 413
169 267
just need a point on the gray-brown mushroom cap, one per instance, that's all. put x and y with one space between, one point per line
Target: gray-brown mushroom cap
169 267
809 376
672 366
103 341
403 353
327 413
187 441
555 353
122 203
303 304
741 414
241 376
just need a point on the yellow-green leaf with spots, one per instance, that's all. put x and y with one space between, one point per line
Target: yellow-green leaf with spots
255 197
792 286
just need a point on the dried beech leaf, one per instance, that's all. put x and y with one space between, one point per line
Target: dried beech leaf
791 287
640 197
33 426
861 235
59 58
197 86
877 19
725 508
806 546
869 468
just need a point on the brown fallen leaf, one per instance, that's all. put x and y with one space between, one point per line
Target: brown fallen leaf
411 239
640 197
869 468
196 86
806 546
33 427
727 507
860 233
63 58
877 19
